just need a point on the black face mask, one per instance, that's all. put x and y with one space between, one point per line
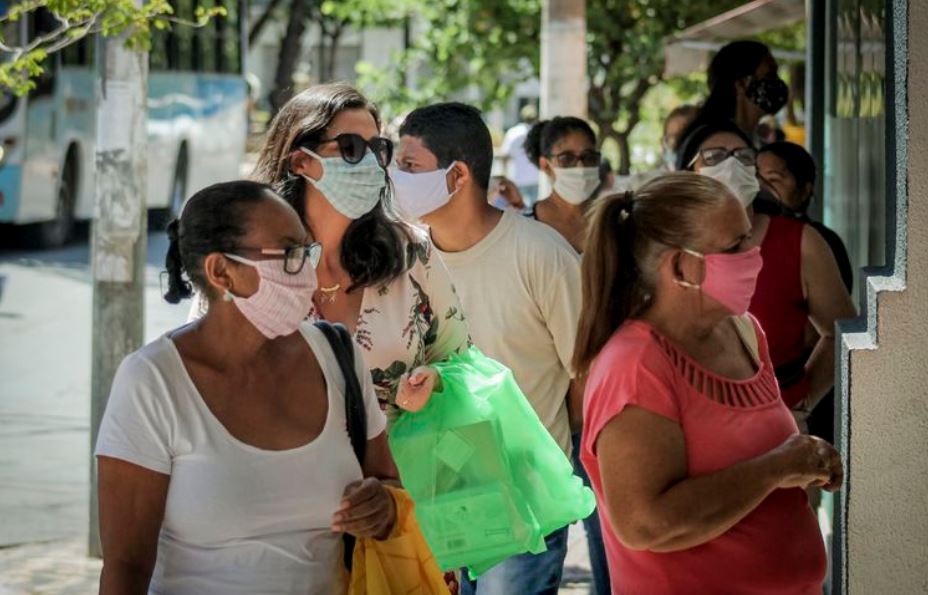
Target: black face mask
769 94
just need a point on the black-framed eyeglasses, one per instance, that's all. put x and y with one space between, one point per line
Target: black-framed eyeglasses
715 155
588 158
353 146
294 257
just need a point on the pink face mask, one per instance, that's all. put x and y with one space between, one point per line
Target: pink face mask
282 300
730 279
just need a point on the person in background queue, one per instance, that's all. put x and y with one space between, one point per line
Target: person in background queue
677 121
518 166
564 148
697 464
789 171
743 87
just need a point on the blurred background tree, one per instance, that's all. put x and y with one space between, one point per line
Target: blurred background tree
482 49
479 51
77 19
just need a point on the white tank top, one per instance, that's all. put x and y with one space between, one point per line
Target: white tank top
238 519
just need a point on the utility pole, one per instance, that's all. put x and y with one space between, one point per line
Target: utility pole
563 64
563 58
119 228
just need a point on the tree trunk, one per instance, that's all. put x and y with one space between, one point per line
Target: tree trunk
625 154
118 229
291 48
333 51
261 21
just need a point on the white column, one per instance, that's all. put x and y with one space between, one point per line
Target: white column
563 64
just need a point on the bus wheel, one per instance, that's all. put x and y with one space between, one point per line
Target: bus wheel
55 233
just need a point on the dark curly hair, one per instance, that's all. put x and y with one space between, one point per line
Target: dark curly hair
545 134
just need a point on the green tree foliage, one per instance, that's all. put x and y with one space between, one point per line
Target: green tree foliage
24 60
626 59
487 45
333 18
492 45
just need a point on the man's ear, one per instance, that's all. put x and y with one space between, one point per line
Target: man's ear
460 176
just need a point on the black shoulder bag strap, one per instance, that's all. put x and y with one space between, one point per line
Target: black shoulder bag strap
343 346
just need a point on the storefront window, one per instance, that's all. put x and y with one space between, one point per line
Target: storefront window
855 164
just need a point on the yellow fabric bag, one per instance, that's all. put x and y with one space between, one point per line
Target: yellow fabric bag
399 565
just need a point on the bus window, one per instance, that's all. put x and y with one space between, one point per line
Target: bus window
230 41
185 37
78 54
10 32
158 58
206 42
42 22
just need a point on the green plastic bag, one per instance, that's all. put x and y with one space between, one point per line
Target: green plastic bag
488 479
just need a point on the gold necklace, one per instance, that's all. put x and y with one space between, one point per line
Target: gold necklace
330 293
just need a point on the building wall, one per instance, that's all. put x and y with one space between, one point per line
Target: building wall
885 368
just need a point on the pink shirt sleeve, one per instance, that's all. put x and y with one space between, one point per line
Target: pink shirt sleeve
621 377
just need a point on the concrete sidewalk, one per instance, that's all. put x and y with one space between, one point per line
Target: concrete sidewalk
58 567
62 568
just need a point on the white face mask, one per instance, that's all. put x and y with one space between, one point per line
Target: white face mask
418 194
741 179
576 184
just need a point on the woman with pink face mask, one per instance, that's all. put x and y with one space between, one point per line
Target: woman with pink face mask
225 463
697 464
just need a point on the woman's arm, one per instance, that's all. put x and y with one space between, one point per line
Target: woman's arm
367 508
828 302
653 505
132 501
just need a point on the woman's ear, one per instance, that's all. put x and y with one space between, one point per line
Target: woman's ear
217 271
303 164
741 86
546 168
807 191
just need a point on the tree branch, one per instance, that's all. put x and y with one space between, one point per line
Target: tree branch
52 41
263 19
633 104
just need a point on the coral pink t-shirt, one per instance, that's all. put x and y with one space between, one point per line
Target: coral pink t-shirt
777 548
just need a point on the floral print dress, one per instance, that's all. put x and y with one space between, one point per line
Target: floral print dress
414 320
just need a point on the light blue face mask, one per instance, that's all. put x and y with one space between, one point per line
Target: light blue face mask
354 189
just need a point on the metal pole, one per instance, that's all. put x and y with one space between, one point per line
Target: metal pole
563 63
119 226
816 82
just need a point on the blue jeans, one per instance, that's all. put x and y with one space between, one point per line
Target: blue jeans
594 533
525 574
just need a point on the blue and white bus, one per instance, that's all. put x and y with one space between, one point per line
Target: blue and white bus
197 110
